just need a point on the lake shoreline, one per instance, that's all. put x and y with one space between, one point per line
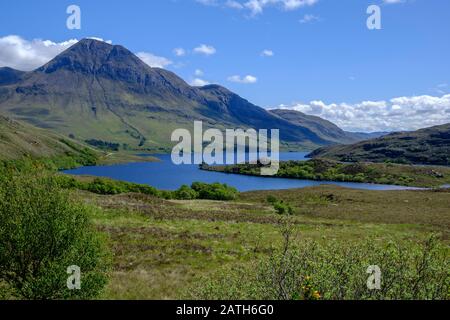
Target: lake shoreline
164 175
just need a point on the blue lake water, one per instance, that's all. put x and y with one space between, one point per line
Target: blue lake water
167 176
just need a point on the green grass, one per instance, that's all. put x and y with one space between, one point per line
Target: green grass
162 247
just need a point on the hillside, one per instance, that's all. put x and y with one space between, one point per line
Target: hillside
323 128
19 140
95 90
430 146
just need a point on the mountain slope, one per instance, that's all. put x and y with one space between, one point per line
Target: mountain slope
323 128
19 140
10 76
95 90
426 146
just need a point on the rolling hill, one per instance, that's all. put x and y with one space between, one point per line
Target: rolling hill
18 140
430 146
95 90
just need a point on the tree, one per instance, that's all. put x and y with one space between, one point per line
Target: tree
42 233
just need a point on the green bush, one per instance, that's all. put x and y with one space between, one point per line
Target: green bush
280 206
283 208
215 191
309 270
185 193
42 233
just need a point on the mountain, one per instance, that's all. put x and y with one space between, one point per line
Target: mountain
10 76
323 128
95 90
22 140
430 146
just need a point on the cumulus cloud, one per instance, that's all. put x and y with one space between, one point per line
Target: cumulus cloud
256 7
28 55
207 50
21 54
398 114
245 80
179 52
267 53
153 60
197 82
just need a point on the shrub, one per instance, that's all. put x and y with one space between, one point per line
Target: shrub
280 206
283 208
215 191
309 270
185 193
272 199
42 233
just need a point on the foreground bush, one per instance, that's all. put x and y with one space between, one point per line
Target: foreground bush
309 271
42 233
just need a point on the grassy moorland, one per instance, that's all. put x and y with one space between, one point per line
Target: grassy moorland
182 244
165 249
329 170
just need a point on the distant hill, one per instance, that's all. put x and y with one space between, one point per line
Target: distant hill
10 76
429 146
19 140
323 128
97 91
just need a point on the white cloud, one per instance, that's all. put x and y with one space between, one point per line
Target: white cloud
234 5
393 1
267 53
153 60
179 52
246 80
21 54
402 113
309 18
198 72
100 39
256 7
28 55
197 82
205 49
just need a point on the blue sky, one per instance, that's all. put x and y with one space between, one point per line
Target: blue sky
322 51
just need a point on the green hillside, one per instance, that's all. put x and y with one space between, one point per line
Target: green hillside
19 140
430 146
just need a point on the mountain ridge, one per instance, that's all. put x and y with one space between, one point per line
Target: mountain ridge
428 146
94 90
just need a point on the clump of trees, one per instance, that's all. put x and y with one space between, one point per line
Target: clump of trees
104 145
42 233
197 190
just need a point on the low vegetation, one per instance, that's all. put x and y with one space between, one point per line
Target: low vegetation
308 270
105 186
103 145
328 170
209 241
42 234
